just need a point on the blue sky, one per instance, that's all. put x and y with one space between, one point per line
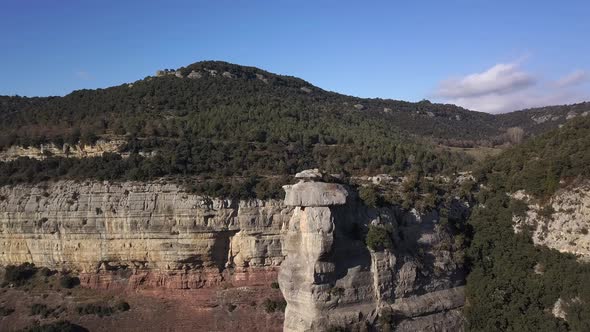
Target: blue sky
486 55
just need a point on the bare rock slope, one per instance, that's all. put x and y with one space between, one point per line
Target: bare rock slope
562 222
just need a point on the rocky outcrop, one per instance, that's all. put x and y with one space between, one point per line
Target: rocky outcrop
435 311
315 194
320 289
194 75
331 279
67 150
562 223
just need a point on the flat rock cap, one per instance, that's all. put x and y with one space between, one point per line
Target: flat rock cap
315 194
309 174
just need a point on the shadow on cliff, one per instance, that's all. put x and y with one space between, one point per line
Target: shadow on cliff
349 251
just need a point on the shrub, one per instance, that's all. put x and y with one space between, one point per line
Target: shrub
378 238
19 274
5 311
69 281
41 309
45 272
370 196
102 310
122 306
271 306
59 326
95 309
274 285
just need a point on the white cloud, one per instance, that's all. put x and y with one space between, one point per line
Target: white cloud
507 87
574 78
501 78
495 103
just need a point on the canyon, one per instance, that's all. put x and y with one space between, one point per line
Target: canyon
158 238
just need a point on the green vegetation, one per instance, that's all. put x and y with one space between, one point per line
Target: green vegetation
167 106
370 196
102 310
217 129
504 292
513 284
59 326
95 309
271 306
242 137
379 238
40 309
67 281
19 274
538 165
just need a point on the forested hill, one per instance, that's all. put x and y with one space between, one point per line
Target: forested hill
214 119
220 119
535 121
514 284
540 164
164 105
155 106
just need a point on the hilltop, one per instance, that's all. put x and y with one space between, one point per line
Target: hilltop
215 84
219 119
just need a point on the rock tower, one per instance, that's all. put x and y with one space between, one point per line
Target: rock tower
319 289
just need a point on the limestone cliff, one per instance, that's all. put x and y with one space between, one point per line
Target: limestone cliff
66 150
331 279
181 240
562 222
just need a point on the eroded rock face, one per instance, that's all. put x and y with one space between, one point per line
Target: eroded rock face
66 151
319 290
562 223
157 232
329 277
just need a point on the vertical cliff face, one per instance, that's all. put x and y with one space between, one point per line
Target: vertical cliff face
323 279
155 232
331 279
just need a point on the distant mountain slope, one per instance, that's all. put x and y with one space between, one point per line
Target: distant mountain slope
219 119
149 106
540 164
218 84
538 120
